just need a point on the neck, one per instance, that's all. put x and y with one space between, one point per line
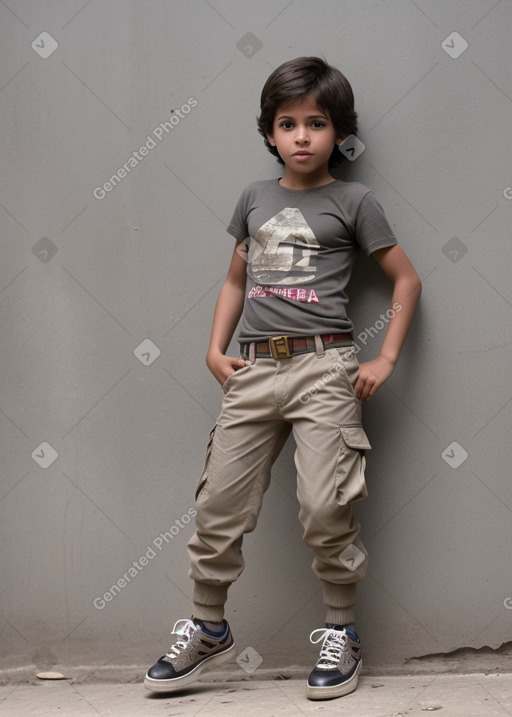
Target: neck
292 180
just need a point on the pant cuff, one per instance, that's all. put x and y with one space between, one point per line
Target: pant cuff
340 602
209 601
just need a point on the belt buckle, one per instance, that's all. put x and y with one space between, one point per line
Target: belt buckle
279 347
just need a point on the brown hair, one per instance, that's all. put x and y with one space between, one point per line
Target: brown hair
294 80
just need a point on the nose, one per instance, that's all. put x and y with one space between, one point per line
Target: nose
301 134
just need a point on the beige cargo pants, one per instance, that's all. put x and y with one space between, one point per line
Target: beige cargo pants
311 394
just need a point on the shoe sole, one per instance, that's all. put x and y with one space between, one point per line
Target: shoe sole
178 683
328 693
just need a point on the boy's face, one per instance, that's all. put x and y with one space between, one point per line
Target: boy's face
304 136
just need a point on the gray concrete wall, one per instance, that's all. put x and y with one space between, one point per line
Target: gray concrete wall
106 299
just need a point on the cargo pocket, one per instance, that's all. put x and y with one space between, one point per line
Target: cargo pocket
351 464
202 489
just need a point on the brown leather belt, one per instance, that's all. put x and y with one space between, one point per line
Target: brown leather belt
279 347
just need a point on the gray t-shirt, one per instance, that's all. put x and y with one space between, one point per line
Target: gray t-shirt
301 248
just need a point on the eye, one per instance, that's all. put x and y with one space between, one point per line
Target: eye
317 124
286 124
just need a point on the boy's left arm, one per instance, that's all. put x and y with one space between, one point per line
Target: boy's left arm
406 294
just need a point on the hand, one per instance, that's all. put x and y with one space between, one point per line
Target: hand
223 366
372 375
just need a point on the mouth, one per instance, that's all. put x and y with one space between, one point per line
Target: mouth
302 153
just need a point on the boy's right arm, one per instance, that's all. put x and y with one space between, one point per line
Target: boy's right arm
225 319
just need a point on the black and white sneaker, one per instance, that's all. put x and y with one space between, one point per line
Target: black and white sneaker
337 671
194 650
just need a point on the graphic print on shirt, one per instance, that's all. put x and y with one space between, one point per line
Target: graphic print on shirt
285 250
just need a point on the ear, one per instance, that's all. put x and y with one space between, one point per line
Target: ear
340 140
271 140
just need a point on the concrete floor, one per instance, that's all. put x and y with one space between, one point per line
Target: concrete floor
471 695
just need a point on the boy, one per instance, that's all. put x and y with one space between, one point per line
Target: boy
296 239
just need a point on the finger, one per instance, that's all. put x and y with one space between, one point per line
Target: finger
372 389
235 364
367 391
365 394
358 388
362 395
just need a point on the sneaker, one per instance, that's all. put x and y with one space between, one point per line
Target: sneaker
193 651
338 667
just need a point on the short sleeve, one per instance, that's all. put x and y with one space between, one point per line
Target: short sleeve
237 227
372 228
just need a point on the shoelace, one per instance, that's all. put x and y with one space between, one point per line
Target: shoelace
186 630
333 648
